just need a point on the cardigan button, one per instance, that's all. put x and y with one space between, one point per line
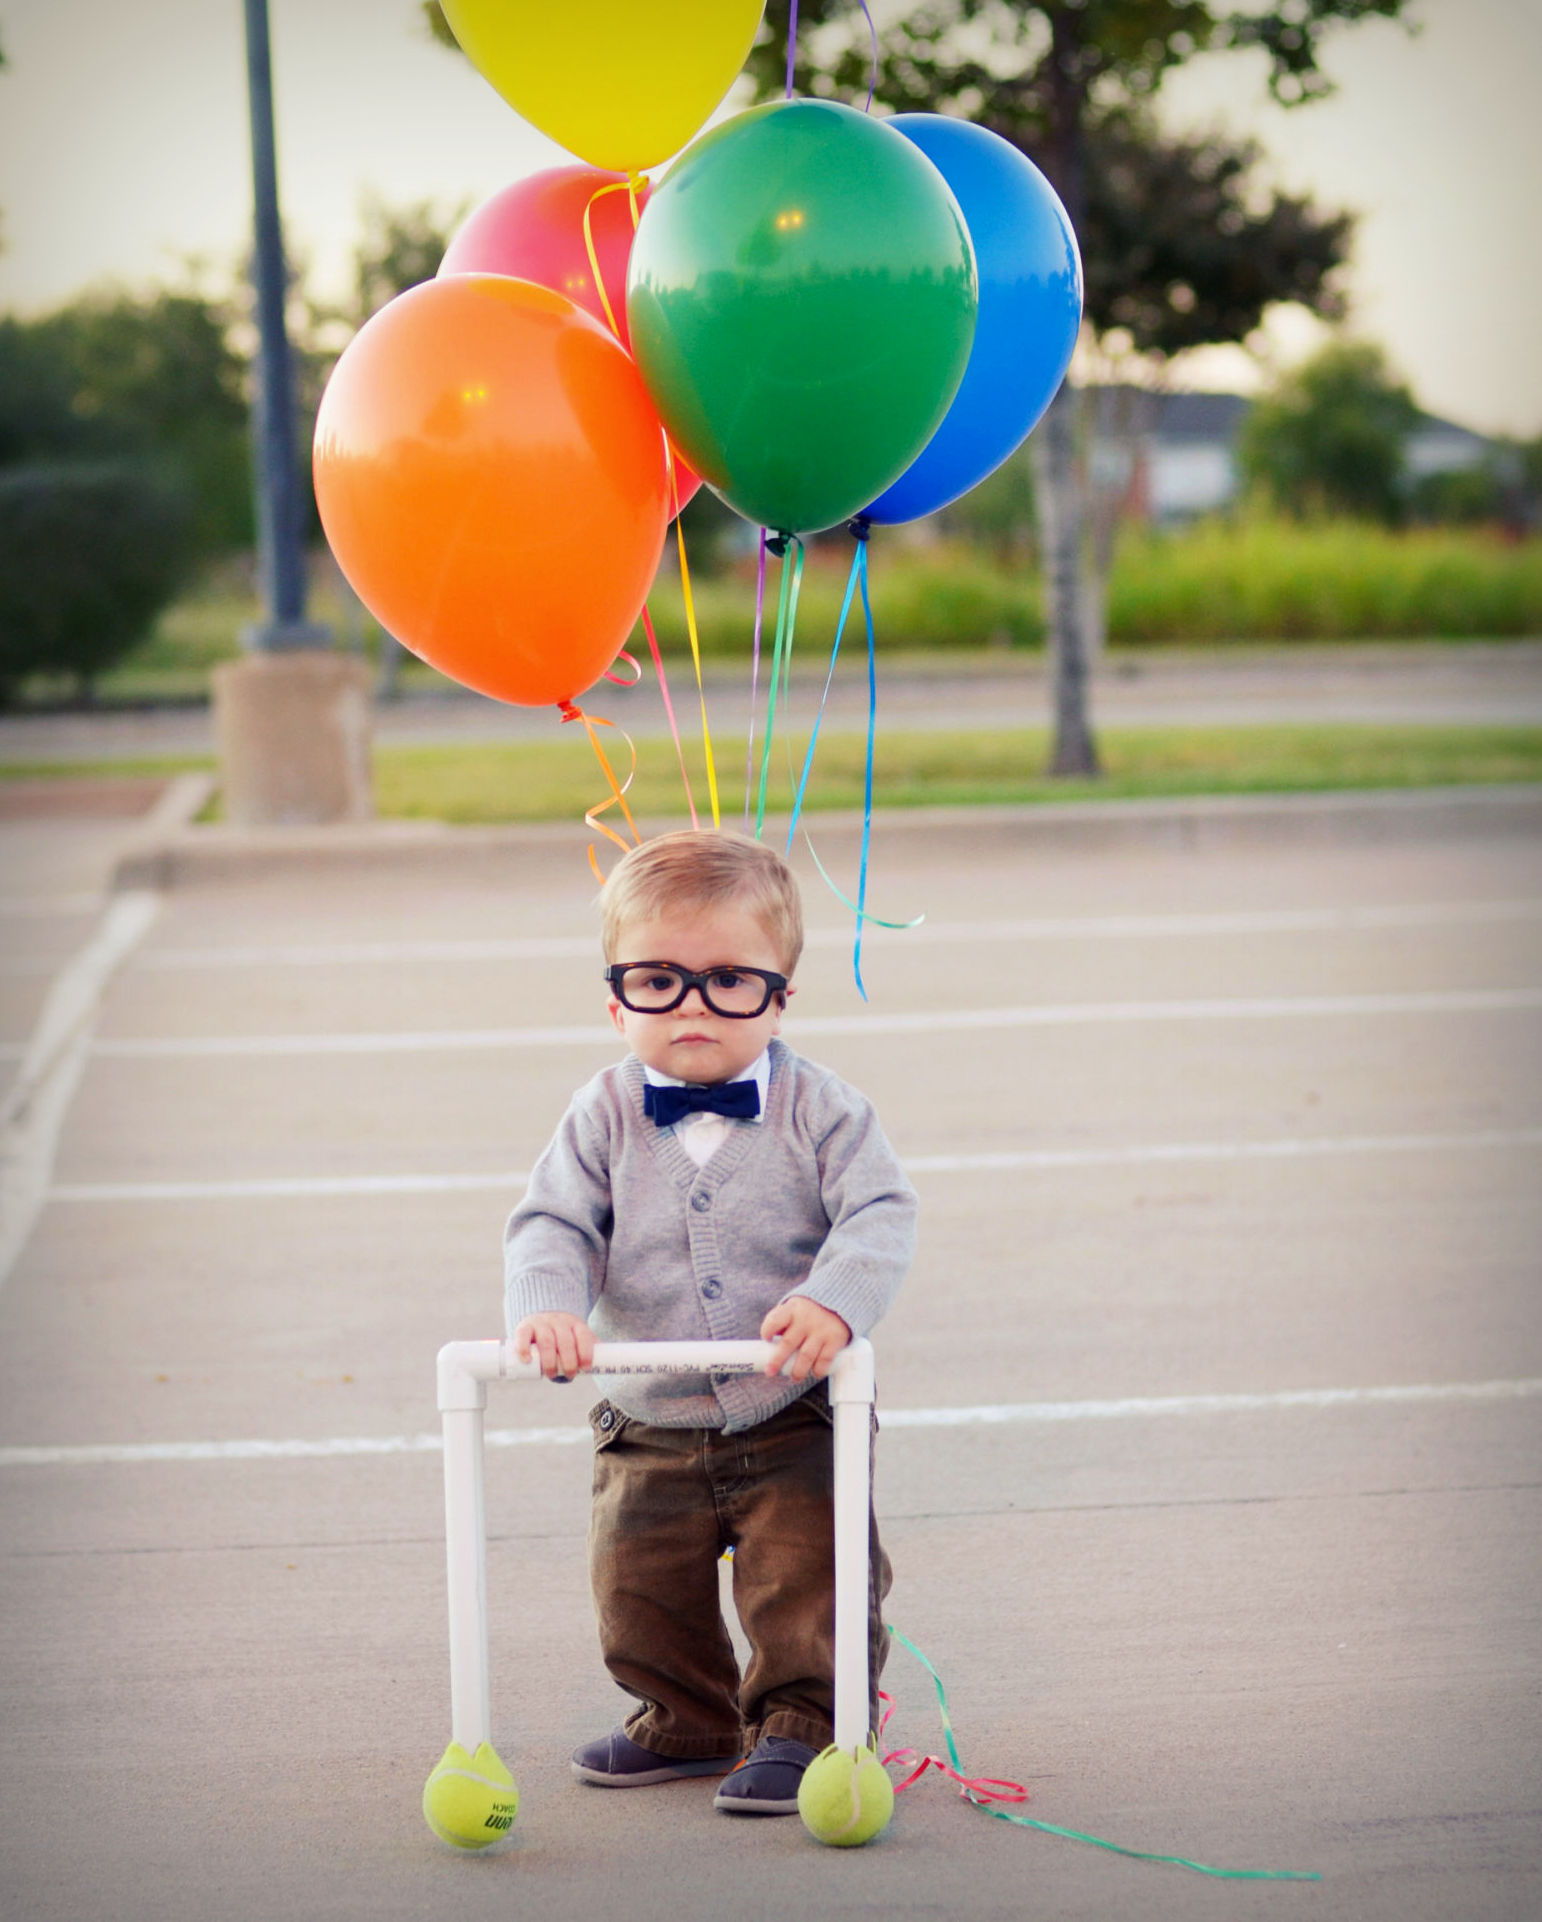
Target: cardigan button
701 1202
607 1419
712 1288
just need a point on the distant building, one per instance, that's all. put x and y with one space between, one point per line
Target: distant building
1173 456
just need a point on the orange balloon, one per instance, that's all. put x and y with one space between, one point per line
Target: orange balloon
492 481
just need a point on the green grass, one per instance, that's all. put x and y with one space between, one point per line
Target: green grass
557 780
144 766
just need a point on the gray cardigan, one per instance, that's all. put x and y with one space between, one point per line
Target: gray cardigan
619 1225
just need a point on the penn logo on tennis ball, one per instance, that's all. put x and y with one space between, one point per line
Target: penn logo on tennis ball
470 1801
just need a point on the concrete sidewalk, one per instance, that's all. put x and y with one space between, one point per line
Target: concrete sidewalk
1211 1410
1481 683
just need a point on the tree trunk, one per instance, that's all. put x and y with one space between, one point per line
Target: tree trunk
1125 418
1061 511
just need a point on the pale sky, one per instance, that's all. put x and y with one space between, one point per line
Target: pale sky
124 149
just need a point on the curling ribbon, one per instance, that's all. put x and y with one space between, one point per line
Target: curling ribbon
857 576
669 709
625 680
982 1791
781 654
571 711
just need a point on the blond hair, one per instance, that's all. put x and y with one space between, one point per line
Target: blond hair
695 869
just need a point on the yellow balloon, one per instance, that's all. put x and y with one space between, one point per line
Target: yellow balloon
621 83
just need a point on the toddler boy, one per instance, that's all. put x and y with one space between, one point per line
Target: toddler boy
713 1185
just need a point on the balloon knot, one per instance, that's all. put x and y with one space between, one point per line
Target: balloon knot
570 711
859 529
777 544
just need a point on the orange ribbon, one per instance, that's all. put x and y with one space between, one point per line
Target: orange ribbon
571 711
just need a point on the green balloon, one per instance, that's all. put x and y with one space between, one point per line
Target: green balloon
801 300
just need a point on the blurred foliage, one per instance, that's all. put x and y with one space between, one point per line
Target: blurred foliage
1331 437
1255 578
123 461
398 248
1259 578
998 512
438 27
1180 245
1044 48
151 380
89 555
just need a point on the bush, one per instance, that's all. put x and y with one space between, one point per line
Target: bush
1330 580
89 555
954 597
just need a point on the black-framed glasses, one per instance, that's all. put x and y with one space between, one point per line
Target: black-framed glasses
655 987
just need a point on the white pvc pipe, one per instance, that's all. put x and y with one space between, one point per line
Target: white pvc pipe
465 1368
465 1536
851 1395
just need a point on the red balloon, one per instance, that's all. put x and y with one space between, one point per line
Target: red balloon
491 478
534 230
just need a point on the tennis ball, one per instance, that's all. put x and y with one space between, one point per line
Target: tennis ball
470 1801
845 1797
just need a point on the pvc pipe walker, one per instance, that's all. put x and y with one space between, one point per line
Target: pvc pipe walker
464 1370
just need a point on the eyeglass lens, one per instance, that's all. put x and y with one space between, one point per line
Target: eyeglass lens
729 991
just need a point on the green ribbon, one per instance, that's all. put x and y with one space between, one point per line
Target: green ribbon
1075 1835
781 660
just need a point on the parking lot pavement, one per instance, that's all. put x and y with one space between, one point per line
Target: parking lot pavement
1211 1410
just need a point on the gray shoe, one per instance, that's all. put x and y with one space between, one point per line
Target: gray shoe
615 1761
766 1781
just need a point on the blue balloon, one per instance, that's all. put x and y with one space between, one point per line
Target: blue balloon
1029 315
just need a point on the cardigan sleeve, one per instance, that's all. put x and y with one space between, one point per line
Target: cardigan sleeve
557 1239
872 1210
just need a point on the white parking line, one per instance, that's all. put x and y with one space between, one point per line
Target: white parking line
936 1021
314 1187
1119 927
1140 1407
32 1113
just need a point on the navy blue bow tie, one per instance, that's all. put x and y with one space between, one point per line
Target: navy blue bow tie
738 1099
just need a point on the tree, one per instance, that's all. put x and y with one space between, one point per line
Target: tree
152 380
89 555
1178 251
398 248
437 26
1331 437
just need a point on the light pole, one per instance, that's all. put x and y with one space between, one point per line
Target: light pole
292 716
280 553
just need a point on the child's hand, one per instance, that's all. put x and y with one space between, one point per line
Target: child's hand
563 1344
811 1335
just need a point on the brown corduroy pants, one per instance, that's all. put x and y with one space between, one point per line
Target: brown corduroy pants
667 1502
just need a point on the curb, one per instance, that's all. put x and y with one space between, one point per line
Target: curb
192 856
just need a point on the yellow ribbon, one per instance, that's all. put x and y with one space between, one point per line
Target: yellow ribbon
690 625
